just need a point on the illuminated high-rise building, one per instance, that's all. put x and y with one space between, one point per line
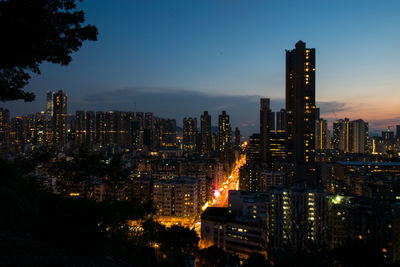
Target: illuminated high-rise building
123 126
250 178
30 128
80 127
140 119
322 135
60 118
131 125
149 120
90 128
4 125
135 131
297 217
271 122
140 123
237 137
265 127
225 140
100 128
189 134
277 147
359 136
206 139
110 127
149 129
40 129
214 142
49 131
178 197
224 132
280 121
17 133
341 135
49 103
71 134
300 111
254 148
168 132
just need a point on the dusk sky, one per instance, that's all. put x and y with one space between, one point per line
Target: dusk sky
179 58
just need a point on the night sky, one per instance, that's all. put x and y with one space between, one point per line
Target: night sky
179 58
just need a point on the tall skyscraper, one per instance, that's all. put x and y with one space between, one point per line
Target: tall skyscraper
224 132
40 128
297 217
123 128
110 127
30 128
237 136
90 127
271 122
130 124
341 135
398 131
149 129
189 134
359 136
300 111
277 147
100 128
168 132
140 124
265 124
60 117
250 177
280 121
80 127
49 103
205 128
253 149
322 135
17 133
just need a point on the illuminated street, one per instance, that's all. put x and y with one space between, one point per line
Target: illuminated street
231 183
220 197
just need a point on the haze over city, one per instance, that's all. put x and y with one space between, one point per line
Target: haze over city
225 55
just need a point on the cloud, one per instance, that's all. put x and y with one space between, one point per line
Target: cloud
329 107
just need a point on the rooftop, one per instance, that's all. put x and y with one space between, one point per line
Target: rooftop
215 213
368 163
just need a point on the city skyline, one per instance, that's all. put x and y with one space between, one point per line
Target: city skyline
248 107
131 65
200 133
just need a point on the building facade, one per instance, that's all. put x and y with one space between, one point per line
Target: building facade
300 110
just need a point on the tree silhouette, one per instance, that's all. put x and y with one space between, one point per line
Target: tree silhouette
34 31
115 173
212 257
256 259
